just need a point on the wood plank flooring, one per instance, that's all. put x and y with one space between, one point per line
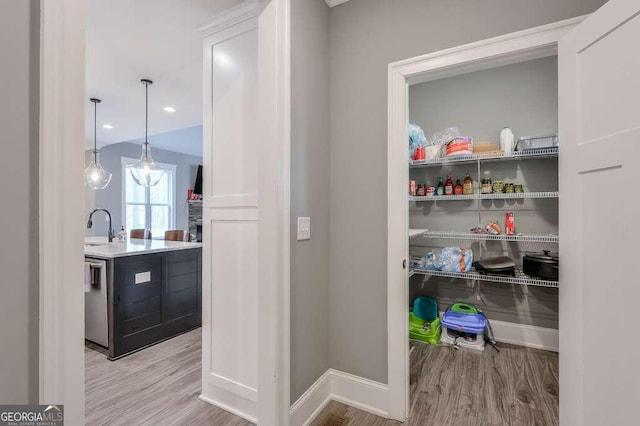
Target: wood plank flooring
159 385
516 386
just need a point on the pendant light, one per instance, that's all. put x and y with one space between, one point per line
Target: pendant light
145 171
95 176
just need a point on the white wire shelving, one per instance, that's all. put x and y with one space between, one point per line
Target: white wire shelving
520 279
413 233
495 196
530 154
539 237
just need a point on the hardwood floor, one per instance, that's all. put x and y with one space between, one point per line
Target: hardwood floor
516 386
159 385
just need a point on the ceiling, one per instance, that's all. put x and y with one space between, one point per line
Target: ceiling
156 39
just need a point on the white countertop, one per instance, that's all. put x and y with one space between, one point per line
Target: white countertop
133 247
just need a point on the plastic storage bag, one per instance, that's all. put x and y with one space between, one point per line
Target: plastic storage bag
448 259
456 259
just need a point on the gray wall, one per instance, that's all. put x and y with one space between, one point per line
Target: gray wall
523 96
111 197
19 77
309 192
366 35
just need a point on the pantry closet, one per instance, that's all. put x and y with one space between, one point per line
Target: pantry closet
572 79
473 227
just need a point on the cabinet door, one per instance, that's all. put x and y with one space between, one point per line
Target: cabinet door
183 289
599 88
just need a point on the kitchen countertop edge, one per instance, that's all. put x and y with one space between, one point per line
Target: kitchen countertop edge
114 250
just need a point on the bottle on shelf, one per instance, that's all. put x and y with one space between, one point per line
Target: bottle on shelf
440 187
507 140
467 186
458 189
487 186
448 186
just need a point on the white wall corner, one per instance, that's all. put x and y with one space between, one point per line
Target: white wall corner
332 3
358 392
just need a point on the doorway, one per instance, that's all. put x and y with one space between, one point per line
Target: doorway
62 215
501 51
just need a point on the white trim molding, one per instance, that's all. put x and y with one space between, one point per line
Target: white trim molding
61 152
358 392
312 402
333 3
509 48
243 12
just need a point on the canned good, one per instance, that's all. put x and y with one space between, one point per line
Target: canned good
498 186
412 187
431 191
518 188
422 190
508 188
509 224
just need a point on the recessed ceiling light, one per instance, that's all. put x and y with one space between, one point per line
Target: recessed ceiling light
169 109
107 126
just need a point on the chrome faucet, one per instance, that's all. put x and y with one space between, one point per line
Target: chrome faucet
90 222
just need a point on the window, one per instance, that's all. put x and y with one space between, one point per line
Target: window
149 208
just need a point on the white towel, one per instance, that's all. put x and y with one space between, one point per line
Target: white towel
87 277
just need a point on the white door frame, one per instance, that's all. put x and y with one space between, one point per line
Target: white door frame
61 230
520 46
61 152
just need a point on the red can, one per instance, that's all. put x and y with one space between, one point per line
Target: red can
412 187
509 224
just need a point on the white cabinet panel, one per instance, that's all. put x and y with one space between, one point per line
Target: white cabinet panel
234 64
234 300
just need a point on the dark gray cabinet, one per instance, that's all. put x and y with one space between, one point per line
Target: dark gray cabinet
153 297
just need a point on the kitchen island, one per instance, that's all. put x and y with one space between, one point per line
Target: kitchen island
153 292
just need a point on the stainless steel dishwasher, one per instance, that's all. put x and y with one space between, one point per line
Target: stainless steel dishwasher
96 328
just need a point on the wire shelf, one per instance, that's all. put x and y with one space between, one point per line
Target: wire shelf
529 237
417 232
497 196
530 154
521 279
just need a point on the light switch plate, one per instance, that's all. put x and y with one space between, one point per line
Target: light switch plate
304 228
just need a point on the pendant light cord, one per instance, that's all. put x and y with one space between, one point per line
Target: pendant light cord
146 119
95 132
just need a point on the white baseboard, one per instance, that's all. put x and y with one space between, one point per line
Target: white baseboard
358 392
526 335
312 402
229 408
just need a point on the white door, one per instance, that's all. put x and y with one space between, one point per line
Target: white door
230 220
599 89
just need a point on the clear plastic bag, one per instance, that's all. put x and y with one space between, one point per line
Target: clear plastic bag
449 259
444 136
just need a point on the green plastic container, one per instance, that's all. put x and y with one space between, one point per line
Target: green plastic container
423 330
